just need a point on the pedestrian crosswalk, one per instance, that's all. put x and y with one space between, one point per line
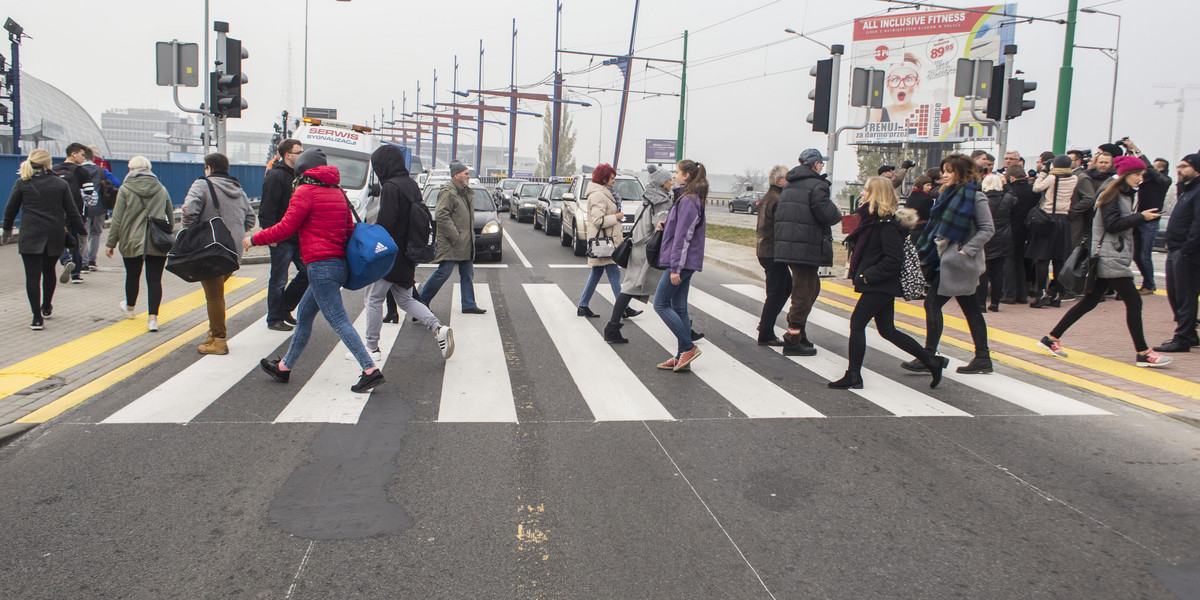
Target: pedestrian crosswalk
613 382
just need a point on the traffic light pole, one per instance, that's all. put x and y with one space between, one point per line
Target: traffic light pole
1010 52
835 52
219 121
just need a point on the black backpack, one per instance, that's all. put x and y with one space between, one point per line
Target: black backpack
419 246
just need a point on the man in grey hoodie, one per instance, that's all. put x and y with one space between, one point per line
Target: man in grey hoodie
235 211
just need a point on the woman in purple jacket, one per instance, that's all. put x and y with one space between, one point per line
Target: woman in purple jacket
682 254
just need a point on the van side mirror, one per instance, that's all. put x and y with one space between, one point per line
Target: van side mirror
374 189
568 196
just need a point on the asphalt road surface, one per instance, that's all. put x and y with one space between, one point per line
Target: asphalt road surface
540 462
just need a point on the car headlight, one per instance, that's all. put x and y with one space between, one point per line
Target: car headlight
528 204
556 211
491 227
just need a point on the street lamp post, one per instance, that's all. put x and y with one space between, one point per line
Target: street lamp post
600 133
1116 56
305 54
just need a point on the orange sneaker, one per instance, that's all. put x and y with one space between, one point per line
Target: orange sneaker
686 358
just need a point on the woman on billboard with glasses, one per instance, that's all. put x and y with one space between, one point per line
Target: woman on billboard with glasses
902 84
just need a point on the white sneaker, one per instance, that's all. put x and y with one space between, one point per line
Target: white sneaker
445 340
152 323
125 310
376 355
65 276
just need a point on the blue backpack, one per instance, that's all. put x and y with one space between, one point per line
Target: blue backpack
370 253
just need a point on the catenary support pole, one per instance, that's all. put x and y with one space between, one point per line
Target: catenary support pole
682 101
479 118
1063 109
558 80
512 102
625 88
835 53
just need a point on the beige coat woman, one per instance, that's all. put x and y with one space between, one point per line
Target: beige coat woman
602 209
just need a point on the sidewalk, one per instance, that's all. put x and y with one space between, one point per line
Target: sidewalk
1100 351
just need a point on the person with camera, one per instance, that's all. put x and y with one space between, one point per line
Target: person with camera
1092 181
1050 240
1151 194
1112 230
896 176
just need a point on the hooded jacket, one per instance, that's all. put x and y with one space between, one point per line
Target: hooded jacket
198 206
48 208
883 254
396 200
765 231
455 217
276 195
640 278
683 234
319 214
803 220
1112 233
142 196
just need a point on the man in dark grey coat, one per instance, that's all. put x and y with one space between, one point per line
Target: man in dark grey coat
804 242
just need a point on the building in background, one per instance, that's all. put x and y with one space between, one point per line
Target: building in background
51 120
152 133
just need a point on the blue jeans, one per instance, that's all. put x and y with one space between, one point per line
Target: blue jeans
324 294
614 280
670 302
282 297
1143 251
466 274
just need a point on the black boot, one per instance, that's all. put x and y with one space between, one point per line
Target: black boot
982 363
586 312
849 381
935 366
916 365
630 312
612 333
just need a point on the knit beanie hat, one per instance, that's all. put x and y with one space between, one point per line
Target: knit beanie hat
659 178
1128 164
1062 161
456 168
312 157
1193 160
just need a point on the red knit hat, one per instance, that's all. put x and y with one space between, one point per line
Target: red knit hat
1128 164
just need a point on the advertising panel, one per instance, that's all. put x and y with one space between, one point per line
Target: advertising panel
918 53
660 151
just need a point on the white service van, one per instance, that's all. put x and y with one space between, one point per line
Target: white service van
347 147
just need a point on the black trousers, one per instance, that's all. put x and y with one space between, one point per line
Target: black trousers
1133 309
779 288
934 324
619 306
882 308
39 280
133 272
1183 287
994 277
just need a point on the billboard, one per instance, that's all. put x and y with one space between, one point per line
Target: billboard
918 53
660 151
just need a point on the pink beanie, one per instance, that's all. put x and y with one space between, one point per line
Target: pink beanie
1128 164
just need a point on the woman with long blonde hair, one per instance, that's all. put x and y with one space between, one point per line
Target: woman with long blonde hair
47 209
875 269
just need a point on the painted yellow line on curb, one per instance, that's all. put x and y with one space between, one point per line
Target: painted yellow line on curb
1025 365
79 395
19 376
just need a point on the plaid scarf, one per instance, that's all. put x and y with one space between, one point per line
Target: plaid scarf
952 217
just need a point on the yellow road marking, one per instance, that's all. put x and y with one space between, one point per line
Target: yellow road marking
19 376
1035 368
77 396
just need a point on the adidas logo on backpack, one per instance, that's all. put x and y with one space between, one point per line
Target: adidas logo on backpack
379 247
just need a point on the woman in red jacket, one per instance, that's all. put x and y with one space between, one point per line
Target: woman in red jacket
320 213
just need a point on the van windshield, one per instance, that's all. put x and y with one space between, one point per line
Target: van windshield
628 189
352 166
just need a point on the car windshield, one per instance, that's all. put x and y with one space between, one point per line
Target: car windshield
483 200
510 184
628 189
352 167
557 190
531 191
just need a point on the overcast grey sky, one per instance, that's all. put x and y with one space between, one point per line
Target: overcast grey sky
748 80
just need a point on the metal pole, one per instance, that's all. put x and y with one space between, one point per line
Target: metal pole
454 126
625 90
16 92
682 101
302 110
1010 51
1063 113
418 136
557 116
512 101
220 121
435 120
1116 69
479 117
835 53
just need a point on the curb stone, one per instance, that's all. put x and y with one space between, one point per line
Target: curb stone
13 430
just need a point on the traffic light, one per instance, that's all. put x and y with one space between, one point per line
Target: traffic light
1017 104
819 117
996 96
226 88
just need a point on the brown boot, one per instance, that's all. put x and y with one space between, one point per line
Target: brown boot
208 338
216 346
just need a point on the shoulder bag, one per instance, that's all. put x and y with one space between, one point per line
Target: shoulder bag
625 248
1078 273
912 278
160 232
370 252
601 246
206 249
1036 220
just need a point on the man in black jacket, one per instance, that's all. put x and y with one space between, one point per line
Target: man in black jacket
1183 257
77 178
804 241
399 204
1150 194
282 297
1020 270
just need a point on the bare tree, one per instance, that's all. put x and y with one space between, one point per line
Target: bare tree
750 179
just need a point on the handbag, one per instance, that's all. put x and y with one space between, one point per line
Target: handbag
205 250
912 277
370 252
1078 273
625 248
654 248
159 231
1037 220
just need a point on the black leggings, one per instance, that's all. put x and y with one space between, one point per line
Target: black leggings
970 308
993 276
882 308
1042 268
133 272
39 280
1133 309
619 306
